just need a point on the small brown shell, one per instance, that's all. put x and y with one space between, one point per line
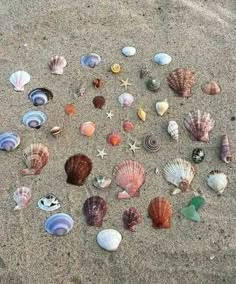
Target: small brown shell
55 131
99 102
98 83
211 88
131 217
225 150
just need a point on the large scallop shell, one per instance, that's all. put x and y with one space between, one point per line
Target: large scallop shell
9 141
35 157
49 203
90 60
217 180
180 173
40 96
22 197
101 182
173 129
109 239
19 79
160 212
87 128
181 81
130 176
151 143
131 218
99 102
57 64
211 88
78 168
95 209
162 107
126 99
59 224
225 150
34 119
199 124
114 138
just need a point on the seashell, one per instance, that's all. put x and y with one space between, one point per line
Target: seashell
151 143
225 150
34 119
173 130
131 218
160 212
211 88
87 128
142 114
181 81
55 131
153 85
162 58
109 239
199 124
78 168
128 51
40 96
57 64
217 180
114 138
162 107
35 157
81 91
101 182
99 102
98 83
22 197
180 173
70 109
9 140
95 209
130 176
115 68
49 203
90 60
128 126
19 79
198 155
144 71
59 224
126 99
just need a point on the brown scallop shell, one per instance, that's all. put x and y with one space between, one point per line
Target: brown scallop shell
131 217
99 102
78 168
160 212
211 88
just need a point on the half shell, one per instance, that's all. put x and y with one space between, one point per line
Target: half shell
101 182
211 88
114 138
22 197
126 99
87 128
162 107
57 64
129 51
90 60
128 126
59 224
34 119
131 218
9 141
109 239
19 79
217 180
162 58
40 96
49 203
99 102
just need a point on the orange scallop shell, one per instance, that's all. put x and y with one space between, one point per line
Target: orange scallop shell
128 126
70 109
114 138
87 128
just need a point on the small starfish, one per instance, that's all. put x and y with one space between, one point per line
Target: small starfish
109 114
125 83
101 153
133 147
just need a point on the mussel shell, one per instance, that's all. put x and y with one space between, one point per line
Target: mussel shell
34 119
40 96
151 143
9 141
49 203
198 155
90 60
59 224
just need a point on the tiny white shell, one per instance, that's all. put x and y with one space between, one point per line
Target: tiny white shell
126 99
129 51
162 107
162 58
173 129
109 239
218 181
19 79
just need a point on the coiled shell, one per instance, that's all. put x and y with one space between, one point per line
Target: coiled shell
87 128
34 119
57 64
162 107
22 197
126 100
162 58
225 150
173 130
198 155
115 68
99 102
59 224
90 60
218 181
114 138
40 96
19 79
109 239
128 126
151 143
211 88
49 203
131 218
101 182
9 141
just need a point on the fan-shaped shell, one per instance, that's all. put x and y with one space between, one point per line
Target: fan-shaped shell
162 58
109 239
114 138
70 109
162 107
35 157
57 64
180 173
131 218
34 119
78 168
128 126
199 124
101 182
40 96
211 88
181 81
95 209
130 176
99 102
59 224
225 150
173 130
90 60
160 212
87 128
19 79
56 130
49 203
126 99
9 141
217 180
22 197
151 143
129 51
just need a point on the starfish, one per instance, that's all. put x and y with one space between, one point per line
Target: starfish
125 83
133 147
109 114
101 153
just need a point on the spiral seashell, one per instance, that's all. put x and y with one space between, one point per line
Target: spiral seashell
99 102
162 107
128 126
218 181
55 131
57 64
19 79
131 218
109 239
126 99
142 114
34 119
49 203
22 197
114 138
225 150
98 83
59 224
211 88
9 141
90 60
115 68
151 143
70 109
173 130
101 182
40 96
87 128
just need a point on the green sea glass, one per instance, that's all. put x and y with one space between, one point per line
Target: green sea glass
197 201
190 213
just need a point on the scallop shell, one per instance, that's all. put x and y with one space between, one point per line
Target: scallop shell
211 88
87 128
90 60
128 126
131 218
180 173
22 197
101 182
34 119
114 138
78 168
173 130
99 102
40 96
151 143
126 99
57 64
162 107
218 181
59 224
56 130
129 51
19 79
109 239
130 176
160 212
98 83
181 81
49 203
9 141
35 157
70 109
153 85
115 68
199 124
95 209
225 150
162 58
142 114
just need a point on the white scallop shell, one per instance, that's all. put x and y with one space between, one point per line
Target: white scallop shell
162 58
173 129
162 107
22 197
126 99
218 181
19 79
57 64
129 51
109 239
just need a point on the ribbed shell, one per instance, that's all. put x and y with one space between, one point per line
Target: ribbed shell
131 217
173 130
22 197
9 141
217 180
151 143
225 150
19 79
114 138
128 126
87 128
126 99
57 64
211 88
99 102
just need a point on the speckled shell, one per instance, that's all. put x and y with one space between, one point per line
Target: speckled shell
22 197
59 224
57 64
99 102
128 126
217 180
162 107
131 218
126 100
101 182
198 155
34 119
87 128
90 60
181 81
151 143
225 150
173 130
160 212
9 140
114 138
211 88
109 239
40 96
49 203
19 79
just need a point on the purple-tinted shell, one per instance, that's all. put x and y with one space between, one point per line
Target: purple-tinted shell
225 150
59 224
131 217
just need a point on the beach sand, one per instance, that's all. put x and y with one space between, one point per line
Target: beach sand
199 35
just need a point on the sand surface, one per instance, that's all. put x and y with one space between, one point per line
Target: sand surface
199 35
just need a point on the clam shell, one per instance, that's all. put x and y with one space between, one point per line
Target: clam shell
142 114
40 96
90 60
49 203
225 150
162 58
128 51
59 224
19 79
101 182
151 143
9 141
162 107
57 64
217 180
99 102
87 128
128 126
126 99
34 119
114 138
109 239
211 88
173 130
131 218
22 197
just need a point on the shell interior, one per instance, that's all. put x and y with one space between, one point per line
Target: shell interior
90 60
59 224
9 141
49 203
34 119
40 96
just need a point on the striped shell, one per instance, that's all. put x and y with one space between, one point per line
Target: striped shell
40 96
19 79
218 181
114 138
225 150
126 100
9 141
57 64
87 128
131 218
90 60
151 143
101 182
59 224
211 88
56 130
22 197
49 203
173 130
34 119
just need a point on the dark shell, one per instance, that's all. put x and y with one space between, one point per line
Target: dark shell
95 208
151 143
144 71
198 155
99 102
78 168
153 85
98 83
40 96
131 217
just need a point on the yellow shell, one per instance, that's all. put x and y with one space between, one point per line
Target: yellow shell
115 68
142 114
162 107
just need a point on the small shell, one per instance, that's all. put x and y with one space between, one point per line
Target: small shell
142 114
114 138
70 109
128 126
173 130
217 180
211 88
162 58
22 197
153 85
160 212
109 239
151 143
99 102
90 60
115 68
101 182
40 96
198 155
225 150
49 203
98 83
144 71
34 119
57 64
19 79
9 141
162 107
129 51
95 209
87 128
131 218
55 131
126 99
59 224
